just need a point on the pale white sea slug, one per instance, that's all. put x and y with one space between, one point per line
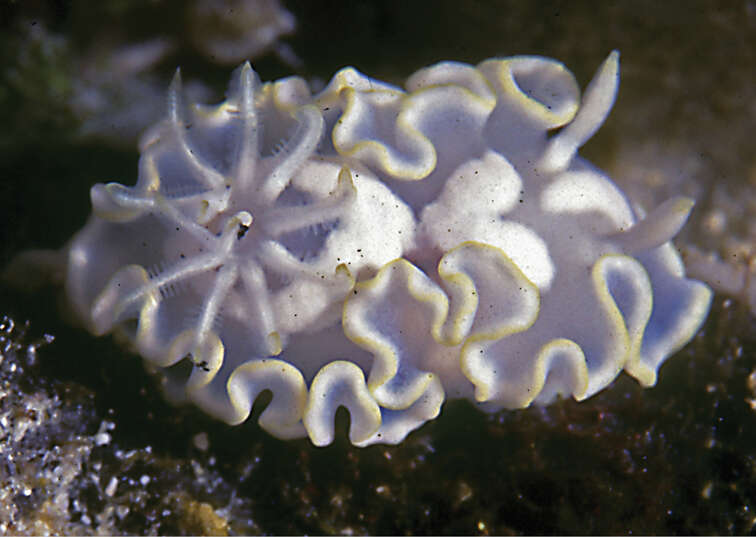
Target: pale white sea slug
382 249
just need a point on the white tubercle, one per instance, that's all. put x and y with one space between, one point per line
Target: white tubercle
657 227
598 100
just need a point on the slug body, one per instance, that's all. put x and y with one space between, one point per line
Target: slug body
383 249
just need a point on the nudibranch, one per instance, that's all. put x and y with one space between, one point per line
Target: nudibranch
382 249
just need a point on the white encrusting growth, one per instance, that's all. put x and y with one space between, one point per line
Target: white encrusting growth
380 250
